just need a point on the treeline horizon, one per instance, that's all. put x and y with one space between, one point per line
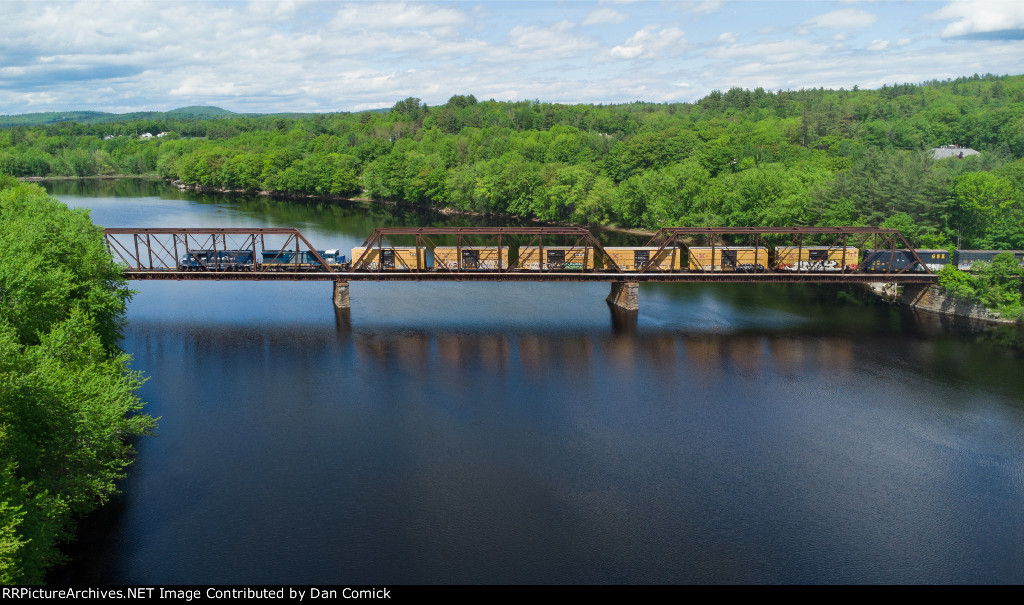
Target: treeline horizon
735 158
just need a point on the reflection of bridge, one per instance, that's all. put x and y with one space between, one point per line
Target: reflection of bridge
285 254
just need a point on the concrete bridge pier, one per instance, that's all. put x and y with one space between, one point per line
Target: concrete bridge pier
625 295
889 291
341 299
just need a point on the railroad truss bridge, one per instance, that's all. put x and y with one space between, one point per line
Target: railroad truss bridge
526 254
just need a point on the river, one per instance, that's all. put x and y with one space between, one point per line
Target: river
517 433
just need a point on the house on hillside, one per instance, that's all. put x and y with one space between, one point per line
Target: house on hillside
952 151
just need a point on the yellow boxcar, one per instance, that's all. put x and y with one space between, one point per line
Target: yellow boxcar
399 258
479 258
731 258
816 258
556 258
635 259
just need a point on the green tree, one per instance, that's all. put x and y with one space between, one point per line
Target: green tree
976 200
998 285
67 396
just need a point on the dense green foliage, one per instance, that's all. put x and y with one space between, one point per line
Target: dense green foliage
735 158
67 397
998 285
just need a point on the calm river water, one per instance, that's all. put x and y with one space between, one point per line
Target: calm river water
494 433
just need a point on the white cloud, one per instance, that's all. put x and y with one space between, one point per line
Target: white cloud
604 15
706 7
846 18
540 42
326 56
770 51
389 16
981 16
651 43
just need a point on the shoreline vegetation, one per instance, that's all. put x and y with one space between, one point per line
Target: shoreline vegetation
284 195
812 157
69 413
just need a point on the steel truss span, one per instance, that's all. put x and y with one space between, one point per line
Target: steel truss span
454 254
522 276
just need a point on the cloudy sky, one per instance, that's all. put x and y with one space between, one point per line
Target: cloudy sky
319 56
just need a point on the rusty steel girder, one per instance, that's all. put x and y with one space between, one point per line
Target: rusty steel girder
424 240
161 249
884 238
155 253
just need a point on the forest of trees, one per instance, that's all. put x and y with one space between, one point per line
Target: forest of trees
809 157
68 405
738 158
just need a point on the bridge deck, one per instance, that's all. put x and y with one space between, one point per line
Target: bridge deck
533 276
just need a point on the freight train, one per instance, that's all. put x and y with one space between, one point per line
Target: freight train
751 259
269 260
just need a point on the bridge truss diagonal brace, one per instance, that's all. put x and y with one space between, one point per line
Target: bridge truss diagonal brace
159 249
381 239
675 236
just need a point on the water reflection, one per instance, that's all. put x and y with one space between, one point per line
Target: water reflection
546 455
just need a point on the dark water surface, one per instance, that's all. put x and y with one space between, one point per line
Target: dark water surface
492 433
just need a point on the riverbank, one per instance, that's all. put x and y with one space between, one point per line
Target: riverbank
286 195
936 299
443 210
932 298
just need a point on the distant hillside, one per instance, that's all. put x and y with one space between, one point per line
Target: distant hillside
200 111
100 117
734 158
53 117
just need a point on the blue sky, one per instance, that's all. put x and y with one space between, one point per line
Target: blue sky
316 56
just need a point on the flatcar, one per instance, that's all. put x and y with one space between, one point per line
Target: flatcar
731 258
